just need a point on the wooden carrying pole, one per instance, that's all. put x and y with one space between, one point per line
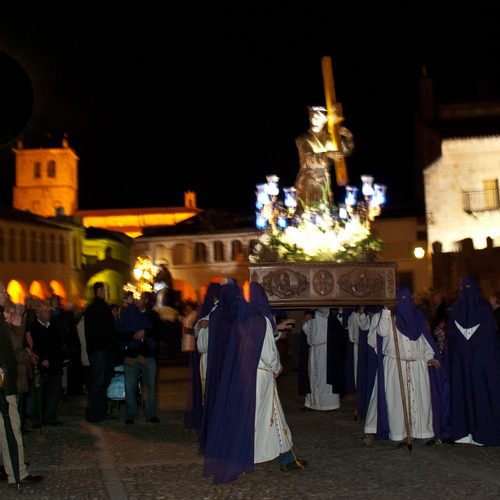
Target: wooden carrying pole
401 384
335 118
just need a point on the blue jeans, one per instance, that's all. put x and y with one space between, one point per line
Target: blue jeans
101 367
148 387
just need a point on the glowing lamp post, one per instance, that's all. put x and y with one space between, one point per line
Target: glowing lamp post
419 252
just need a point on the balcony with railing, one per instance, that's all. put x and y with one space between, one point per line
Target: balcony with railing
481 201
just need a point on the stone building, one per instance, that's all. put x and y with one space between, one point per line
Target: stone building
458 152
461 193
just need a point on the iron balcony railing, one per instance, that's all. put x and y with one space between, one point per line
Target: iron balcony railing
481 201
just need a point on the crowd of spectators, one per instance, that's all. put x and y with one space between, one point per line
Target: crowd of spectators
54 352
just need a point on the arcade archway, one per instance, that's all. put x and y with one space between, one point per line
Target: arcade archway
39 289
59 290
17 291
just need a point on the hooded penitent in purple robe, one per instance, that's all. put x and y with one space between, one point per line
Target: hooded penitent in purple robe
472 356
222 328
410 322
230 442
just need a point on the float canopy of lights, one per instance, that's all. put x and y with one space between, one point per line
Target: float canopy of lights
321 232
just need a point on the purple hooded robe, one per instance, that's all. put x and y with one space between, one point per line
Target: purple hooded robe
230 442
472 356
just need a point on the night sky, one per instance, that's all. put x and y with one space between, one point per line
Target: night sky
160 100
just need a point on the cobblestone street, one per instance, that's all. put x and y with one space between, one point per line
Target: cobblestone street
160 461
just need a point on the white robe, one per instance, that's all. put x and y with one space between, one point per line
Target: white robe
272 434
414 356
371 414
321 396
201 335
356 322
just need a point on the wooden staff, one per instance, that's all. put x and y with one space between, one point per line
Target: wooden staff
401 384
335 118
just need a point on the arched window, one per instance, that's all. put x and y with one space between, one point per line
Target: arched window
218 251
200 252
51 168
43 248
36 170
237 250
12 245
61 249
33 251
23 246
52 248
2 245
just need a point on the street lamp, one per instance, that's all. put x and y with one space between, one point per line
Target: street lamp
419 252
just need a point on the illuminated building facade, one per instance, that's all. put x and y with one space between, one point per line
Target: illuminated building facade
40 256
57 255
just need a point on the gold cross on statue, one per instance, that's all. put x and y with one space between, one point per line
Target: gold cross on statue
335 118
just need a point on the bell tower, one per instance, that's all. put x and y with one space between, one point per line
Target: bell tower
46 180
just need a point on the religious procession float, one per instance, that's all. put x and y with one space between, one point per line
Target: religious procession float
312 253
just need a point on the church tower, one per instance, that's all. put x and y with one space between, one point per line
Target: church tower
46 180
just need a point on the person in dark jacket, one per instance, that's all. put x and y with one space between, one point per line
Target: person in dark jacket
100 336
9 379
139 347
49 349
